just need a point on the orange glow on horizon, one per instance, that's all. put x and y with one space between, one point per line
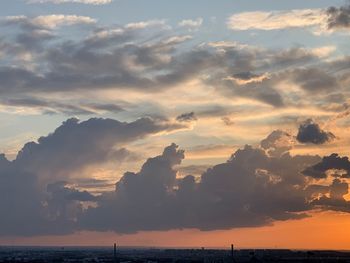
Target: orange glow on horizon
327 230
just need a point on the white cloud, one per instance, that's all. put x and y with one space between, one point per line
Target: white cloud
278 19
193 24
52 21
90 2
145 24
104 34
324 51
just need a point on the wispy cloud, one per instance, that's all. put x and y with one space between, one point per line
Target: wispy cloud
145 24
274 20
49 21
191 24
319 20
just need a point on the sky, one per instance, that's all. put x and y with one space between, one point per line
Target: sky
175 123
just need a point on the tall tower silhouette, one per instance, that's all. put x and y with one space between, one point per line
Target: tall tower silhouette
232 253
115 253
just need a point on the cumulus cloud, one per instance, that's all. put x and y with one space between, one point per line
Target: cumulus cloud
76 144
248 190
277 143
38 182
310 132
90 2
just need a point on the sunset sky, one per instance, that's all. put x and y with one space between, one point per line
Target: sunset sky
175 123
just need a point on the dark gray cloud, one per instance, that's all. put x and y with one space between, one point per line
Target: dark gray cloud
263 91
59 190
335 199
35 189
314 80
193 169
186 117
72 67
310 132
247 190
258 74
246 75
143 197
339 18
20 202
52 106
330 163
76 144
227 121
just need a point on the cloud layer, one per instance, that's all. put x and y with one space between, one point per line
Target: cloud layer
39 65
248 190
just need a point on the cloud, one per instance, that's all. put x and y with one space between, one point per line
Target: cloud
75 145
145 24
314 80
125 61
49 21
248 190
277 143
147 57
191 24
186 117
339 18
90 2
52 106
310 132
335 200
227 121
38 183
263 91
277 19
195 170
319 20
141 196
257 74
332 164
243 78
